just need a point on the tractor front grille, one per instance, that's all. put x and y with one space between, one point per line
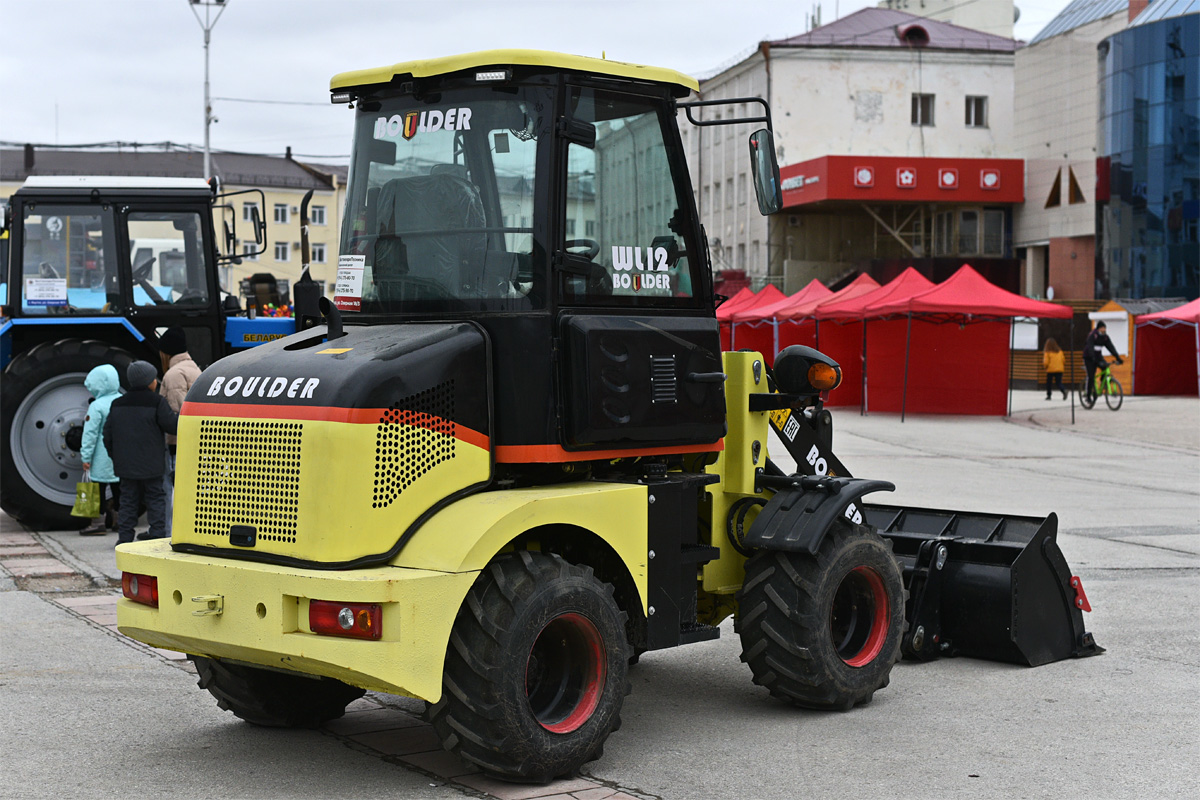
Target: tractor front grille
248 473
414 436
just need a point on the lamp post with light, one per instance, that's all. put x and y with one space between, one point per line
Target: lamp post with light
208 23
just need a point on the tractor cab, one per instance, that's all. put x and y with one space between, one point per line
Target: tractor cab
545 198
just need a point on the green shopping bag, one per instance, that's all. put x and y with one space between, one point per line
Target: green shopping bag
87 499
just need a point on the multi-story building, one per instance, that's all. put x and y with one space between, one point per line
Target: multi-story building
1055 133
282 182
1148 187
894 133
990 16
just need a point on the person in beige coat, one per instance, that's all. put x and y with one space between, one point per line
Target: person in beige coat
180 372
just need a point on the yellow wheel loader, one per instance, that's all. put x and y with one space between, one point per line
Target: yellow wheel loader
509 457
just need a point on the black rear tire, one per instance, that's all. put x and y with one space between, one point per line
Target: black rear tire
42 408
824 631
535 673
1086 398
274 699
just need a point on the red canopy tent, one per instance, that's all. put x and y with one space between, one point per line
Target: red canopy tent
851 315
726 309
768 296
758 328
843 341
957 340
1164 345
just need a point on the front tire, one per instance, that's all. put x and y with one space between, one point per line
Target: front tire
823 631
43 404
536 670
274 699
1114 395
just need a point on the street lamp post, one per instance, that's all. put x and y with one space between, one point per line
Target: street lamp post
208 23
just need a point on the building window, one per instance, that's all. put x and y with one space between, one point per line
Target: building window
922 109
282 249
993 233
1054 199
742 189
729 193
976 112
570 227
281 213
589 228
247 210
318 254
246 249
1074 193
317 215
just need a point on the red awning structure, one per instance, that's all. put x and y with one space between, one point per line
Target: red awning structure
966 293
861 306
758 329
957 343
768 296
1167 351
724 311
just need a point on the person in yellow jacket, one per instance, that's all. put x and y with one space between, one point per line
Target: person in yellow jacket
1053 361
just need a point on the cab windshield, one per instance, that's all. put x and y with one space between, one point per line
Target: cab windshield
439 210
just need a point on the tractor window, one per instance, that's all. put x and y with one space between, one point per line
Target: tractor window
623 207
440 204
69 263
167 258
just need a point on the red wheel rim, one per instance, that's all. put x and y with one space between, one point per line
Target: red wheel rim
565 673
858 620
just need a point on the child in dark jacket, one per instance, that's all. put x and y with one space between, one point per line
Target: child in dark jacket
134 437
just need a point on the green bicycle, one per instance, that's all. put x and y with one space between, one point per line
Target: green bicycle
1105 385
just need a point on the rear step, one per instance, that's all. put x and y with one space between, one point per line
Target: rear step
985 585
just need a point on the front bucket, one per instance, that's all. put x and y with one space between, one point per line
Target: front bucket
985 585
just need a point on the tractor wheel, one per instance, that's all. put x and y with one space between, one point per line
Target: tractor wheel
274 699
536 669
823 632
42 408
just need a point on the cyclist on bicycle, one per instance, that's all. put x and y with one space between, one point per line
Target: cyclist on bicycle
1093 354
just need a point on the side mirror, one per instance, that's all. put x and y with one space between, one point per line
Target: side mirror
260 227
230 238
765 170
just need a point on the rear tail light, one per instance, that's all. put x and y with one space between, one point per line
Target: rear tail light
355 620
140 588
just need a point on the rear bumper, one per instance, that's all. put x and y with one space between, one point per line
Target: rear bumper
263 616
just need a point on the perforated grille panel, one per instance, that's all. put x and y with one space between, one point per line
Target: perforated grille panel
249 474
415 435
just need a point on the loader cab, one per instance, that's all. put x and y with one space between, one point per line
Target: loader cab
546 199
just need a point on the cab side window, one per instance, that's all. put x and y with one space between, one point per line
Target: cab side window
622 207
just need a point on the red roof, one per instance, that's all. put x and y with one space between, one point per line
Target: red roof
968 292
904 285
860 285
1189 312
813 291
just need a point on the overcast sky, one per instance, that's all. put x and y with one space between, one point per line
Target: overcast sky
86 71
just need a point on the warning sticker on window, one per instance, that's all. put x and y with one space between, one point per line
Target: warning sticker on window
46 291
347 292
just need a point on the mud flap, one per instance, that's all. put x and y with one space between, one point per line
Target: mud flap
985 585
798 516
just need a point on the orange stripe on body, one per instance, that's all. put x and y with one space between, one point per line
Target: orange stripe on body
353 416
553 454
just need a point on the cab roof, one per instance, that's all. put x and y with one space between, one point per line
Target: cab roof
429 67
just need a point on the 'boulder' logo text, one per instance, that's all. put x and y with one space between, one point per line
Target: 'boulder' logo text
257 386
